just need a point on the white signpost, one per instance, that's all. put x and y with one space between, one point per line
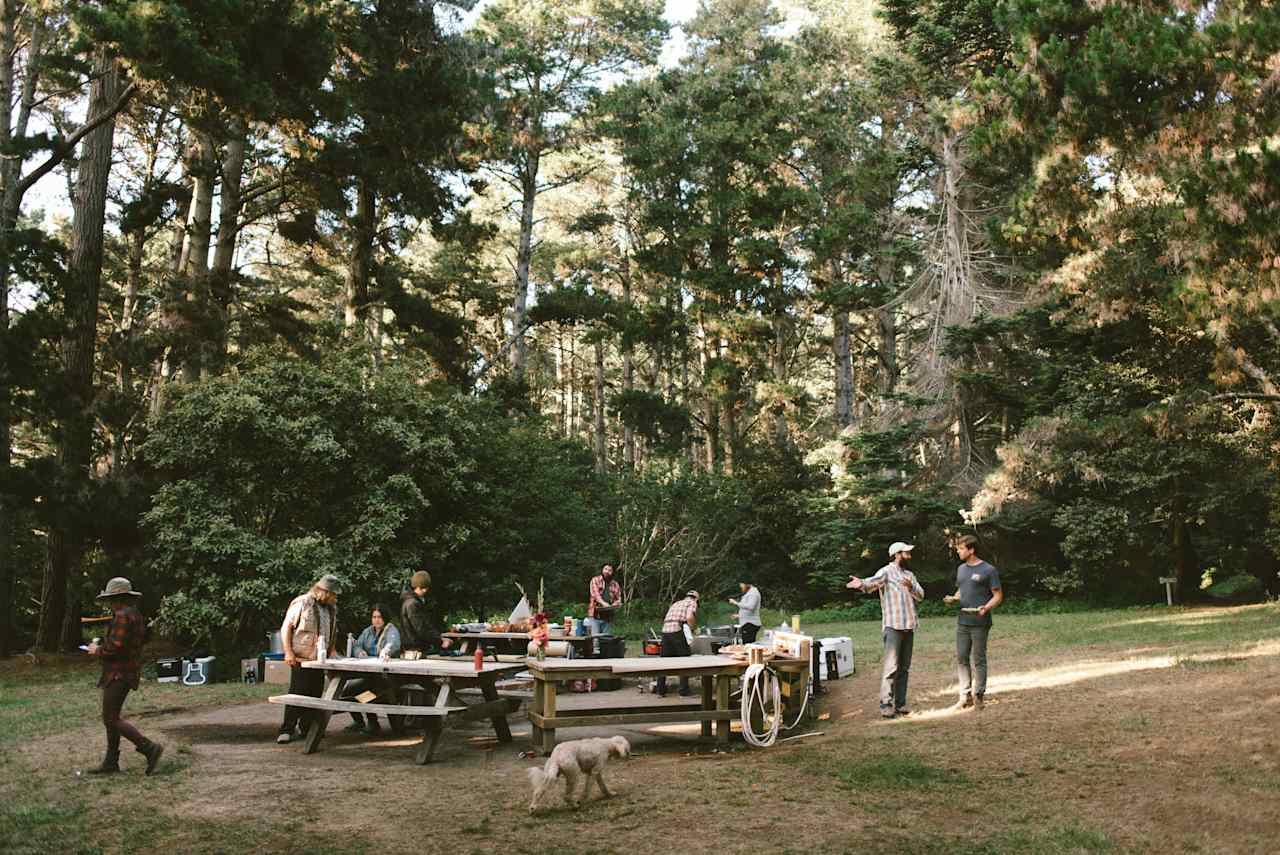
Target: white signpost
1168 582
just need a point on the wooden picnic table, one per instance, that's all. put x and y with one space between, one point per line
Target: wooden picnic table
717 673
443 678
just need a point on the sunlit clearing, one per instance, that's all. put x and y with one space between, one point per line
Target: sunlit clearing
1195 618
1076 672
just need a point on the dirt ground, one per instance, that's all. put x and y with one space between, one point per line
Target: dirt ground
1133 750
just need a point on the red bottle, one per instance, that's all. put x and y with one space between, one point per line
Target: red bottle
479 658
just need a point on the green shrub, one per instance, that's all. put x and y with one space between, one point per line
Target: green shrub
1240 587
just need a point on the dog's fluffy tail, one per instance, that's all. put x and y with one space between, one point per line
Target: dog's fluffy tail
549 772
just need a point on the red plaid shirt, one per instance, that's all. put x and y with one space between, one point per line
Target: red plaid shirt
598 593
121 650
679 613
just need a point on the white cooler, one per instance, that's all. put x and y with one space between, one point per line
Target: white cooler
843 647
197 672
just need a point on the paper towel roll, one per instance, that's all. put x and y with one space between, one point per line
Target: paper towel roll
554 648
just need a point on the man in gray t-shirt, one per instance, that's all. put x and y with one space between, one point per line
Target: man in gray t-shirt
978 591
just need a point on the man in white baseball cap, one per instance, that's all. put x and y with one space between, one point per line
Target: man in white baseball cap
899 593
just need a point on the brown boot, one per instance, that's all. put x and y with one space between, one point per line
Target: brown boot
152 751
109 766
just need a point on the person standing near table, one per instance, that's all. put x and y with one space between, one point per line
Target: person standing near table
310 617
121 655
603 598
899 593
977 587
683 612
418 630
748 612
377 637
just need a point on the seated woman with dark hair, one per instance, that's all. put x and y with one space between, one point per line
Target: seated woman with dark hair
378 636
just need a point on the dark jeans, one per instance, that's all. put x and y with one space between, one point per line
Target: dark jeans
897 666
374 684
749 632
113 695
302 681
971 654
674 644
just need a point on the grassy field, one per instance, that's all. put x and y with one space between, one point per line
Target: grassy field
1142 730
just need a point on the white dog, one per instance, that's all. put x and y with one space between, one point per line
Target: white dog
569 760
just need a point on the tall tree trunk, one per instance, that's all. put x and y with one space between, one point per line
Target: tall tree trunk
730 438
628 366
8 172
887 325
844 370
74 432
194 262
562 416
524 256
224 250
359 265
711 401
602 458
12 130
781 434
202 171
842 352
574 404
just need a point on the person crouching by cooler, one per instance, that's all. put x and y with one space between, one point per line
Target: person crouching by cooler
418 630
899 593
121 655
683 612
309 617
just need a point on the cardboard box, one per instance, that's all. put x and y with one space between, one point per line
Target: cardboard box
277 672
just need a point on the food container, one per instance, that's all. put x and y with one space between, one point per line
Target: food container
652 647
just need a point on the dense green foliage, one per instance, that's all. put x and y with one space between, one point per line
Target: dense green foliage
512 294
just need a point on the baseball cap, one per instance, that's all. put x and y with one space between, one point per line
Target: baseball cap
899 546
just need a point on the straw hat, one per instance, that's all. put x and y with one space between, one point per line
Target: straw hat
118 587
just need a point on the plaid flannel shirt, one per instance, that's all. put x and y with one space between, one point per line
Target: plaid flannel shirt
598 593
121 650
897 606
679 613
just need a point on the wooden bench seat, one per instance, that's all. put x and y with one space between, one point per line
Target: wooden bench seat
355 706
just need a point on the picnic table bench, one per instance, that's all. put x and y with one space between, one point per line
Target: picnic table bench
717 673
448 680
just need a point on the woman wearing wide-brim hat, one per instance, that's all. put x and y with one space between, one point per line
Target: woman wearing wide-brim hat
121 655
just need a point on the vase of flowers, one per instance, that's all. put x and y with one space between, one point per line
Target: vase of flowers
539 634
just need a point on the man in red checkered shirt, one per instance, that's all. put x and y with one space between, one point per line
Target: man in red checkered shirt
121 655
603 600
683 612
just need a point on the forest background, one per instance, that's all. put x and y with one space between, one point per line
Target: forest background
507 292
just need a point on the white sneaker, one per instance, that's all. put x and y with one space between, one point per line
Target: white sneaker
282 739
